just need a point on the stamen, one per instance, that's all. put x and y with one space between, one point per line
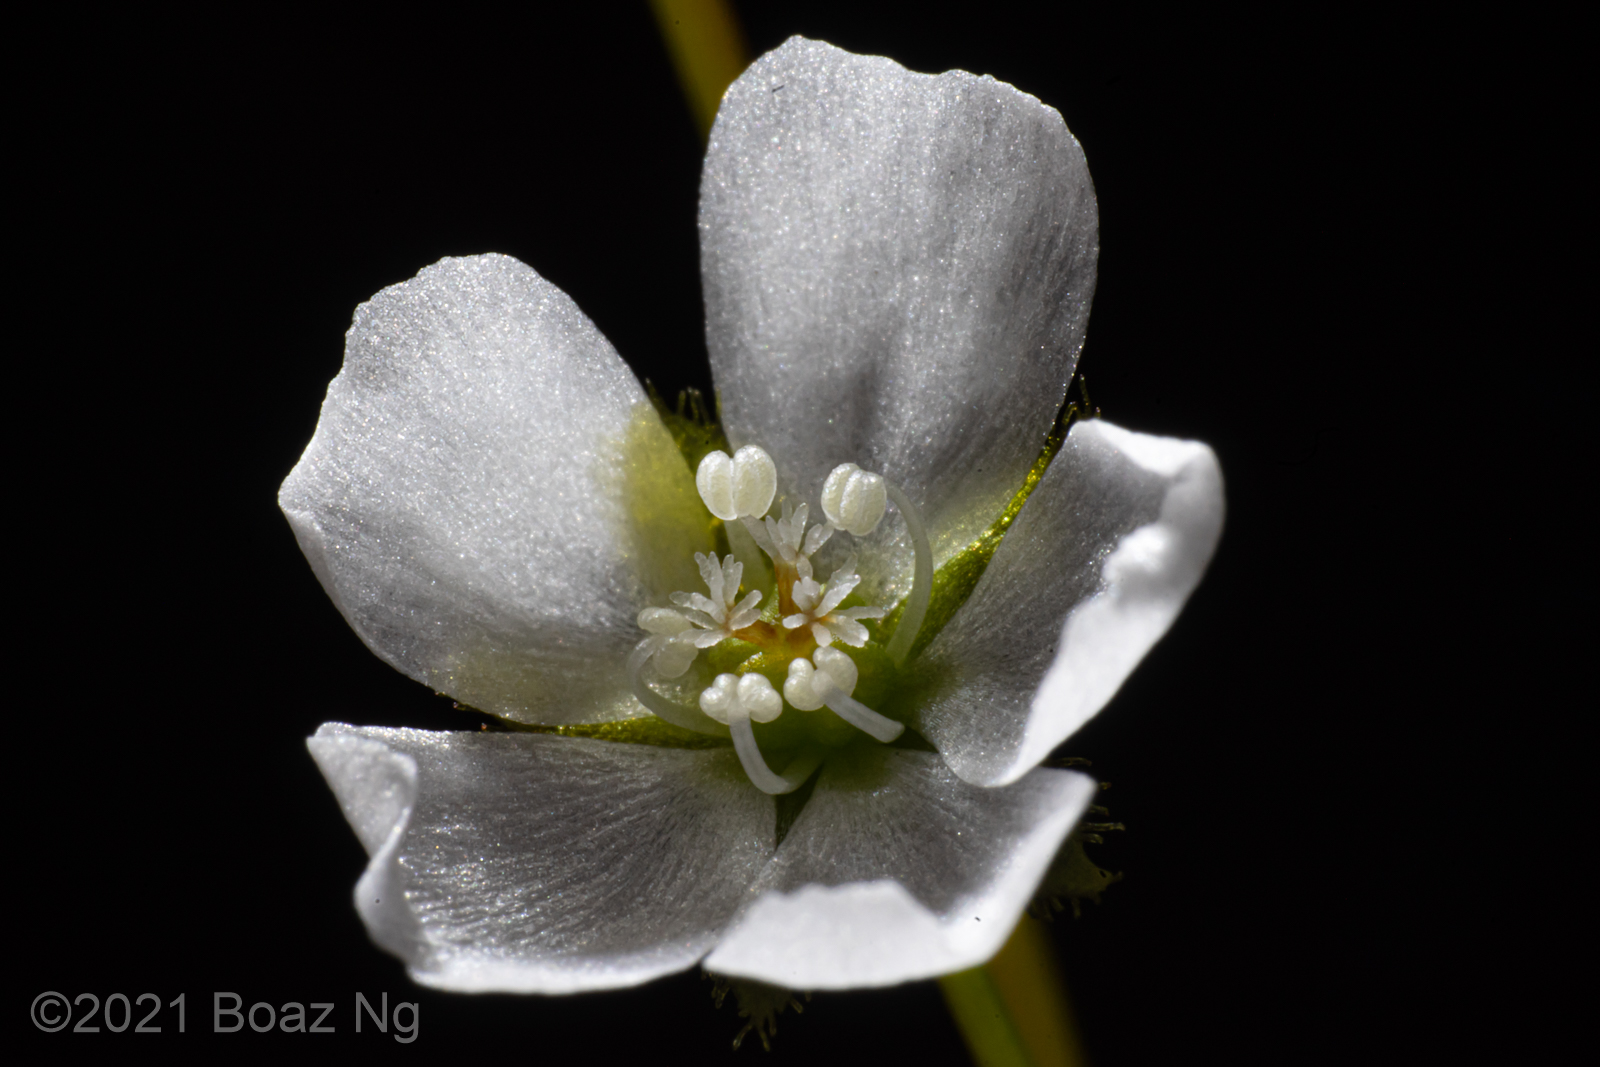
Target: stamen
921 583
807 686
660 706
829 684
736 701
743 485
731 697
853 499
794 775
862 717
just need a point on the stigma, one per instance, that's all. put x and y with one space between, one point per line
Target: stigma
772 626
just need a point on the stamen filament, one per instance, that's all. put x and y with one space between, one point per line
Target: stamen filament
921 583
677 714
862 717
761 776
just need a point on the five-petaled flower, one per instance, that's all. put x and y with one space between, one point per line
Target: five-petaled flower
898 271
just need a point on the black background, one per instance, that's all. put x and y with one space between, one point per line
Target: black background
208 201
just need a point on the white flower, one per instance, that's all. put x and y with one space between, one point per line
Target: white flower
898 270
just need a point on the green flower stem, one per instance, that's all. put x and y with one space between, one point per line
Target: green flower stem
981 1015
707 49
1013 1011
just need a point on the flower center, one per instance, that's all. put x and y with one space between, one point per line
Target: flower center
777 648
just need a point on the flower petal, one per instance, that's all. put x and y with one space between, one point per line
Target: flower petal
898 270
897 870
500 862
465 500
1097 565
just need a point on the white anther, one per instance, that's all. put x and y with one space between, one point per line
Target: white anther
662 621
833 681
742 485
854 499
811 682
673 655
731 697
819 608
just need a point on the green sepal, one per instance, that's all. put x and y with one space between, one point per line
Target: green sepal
758 1002
693 427
1073 877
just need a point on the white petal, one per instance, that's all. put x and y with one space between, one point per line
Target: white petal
897 271
1096 567
499 862
462 501
898 870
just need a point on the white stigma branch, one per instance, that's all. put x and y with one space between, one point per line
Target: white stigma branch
819 608
742 487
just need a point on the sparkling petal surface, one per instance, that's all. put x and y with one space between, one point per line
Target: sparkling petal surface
464 499
898 269
898 870
541 864
1097 565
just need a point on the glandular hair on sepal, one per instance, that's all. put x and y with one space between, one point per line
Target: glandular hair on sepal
759 1003
1073 877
